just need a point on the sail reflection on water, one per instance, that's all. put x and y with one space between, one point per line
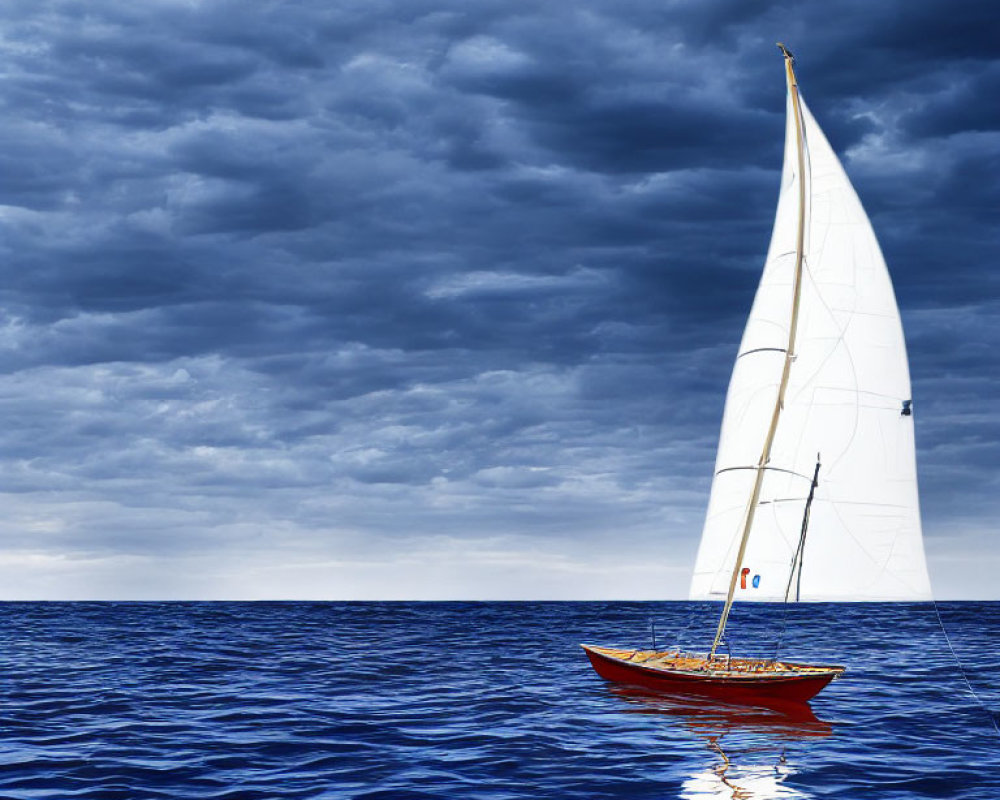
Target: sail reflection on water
736 782
747 748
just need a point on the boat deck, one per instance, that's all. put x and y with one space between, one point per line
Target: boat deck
677 661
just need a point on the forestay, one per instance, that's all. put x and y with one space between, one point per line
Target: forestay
848 388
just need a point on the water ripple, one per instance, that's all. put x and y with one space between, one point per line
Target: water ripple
487 701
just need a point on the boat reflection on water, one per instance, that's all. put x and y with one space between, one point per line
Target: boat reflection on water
749 745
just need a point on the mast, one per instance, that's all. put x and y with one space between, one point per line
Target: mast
779 403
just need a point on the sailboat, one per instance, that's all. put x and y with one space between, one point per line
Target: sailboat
814 496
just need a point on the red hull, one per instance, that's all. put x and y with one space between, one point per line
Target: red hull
771 691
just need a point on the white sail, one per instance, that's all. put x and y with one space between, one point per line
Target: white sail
847 389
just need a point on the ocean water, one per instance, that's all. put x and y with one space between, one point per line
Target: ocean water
480 700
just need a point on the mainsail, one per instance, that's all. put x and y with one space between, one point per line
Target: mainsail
846 407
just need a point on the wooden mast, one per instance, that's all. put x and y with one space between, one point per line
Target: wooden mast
779 403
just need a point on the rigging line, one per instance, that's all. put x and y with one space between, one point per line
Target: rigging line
783 629
772 469
968 683
872 503
841 330
847 529
762 350
840 345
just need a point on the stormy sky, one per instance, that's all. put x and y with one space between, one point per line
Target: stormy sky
429 299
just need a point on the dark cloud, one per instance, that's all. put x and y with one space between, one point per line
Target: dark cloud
960 106
356 287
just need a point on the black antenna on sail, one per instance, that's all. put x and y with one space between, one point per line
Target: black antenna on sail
800 550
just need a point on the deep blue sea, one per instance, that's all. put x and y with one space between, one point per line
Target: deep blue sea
480 700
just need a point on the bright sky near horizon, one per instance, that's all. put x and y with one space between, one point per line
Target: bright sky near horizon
435 300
